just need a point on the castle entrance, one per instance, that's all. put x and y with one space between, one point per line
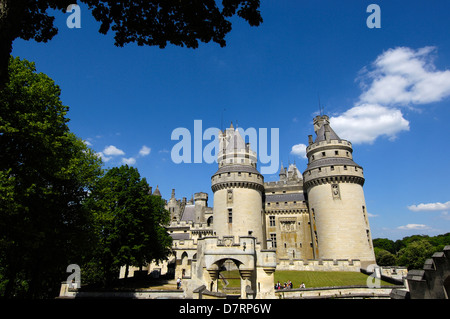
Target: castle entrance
229 280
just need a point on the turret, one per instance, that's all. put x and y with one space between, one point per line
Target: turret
282 173
238 189
334 186
200 202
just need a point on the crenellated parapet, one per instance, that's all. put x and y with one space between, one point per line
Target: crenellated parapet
237 176
324 177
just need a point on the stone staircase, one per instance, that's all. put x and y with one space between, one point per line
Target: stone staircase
431 282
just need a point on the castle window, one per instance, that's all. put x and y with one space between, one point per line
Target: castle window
285 203
239 173
312 157
230 216
272 220
332 167
336 152
273 237
345 167
323 153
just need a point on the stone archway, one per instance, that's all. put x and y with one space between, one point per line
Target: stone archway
229 280
246 274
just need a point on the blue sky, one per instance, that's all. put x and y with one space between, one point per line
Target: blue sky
387 90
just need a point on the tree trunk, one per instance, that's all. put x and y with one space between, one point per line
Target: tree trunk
5 52
6 40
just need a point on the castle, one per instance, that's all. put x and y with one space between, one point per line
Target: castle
312 221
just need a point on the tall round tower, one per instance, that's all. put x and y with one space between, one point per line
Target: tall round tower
238 190
334 186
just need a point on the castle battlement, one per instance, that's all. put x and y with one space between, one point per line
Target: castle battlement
319 265
327 143
188 223
282 183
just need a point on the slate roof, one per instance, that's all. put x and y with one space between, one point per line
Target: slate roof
332 161
188 213
321 133
237 168
180 236
271 198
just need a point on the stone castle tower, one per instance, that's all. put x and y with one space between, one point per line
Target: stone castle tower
238 190
315 221
334 186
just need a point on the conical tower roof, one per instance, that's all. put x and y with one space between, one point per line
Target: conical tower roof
156 192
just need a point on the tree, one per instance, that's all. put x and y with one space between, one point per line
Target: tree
384 257
413 256
145 22
384 243
45 172
128 222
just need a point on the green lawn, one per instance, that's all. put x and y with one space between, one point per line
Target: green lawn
310 278
322 278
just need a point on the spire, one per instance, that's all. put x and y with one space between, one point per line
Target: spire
231 126
282 170
323 129
156 192
282 173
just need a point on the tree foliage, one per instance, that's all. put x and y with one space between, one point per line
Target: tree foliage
145 22
128 224
410 252
45 172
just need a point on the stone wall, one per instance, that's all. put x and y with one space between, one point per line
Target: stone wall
335 292
320 265
431 282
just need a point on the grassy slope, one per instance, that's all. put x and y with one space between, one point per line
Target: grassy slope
322 278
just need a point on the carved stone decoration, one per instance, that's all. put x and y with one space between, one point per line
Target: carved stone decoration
228 242
229 196
335 191
288 225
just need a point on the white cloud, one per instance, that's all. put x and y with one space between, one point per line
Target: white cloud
364 123
399 77
111 150
430 207
405 76
144 151
414 227
87 143
129 161
299 150
104 157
